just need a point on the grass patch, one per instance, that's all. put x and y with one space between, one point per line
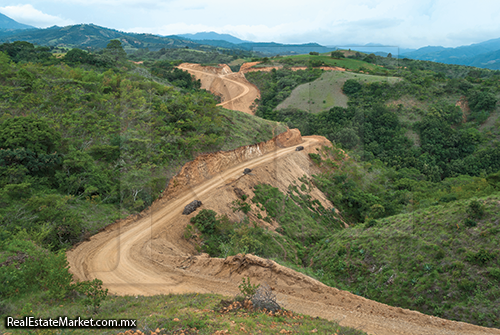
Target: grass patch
247 129
326 91
169 314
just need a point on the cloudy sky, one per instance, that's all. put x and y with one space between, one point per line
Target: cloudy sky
403 23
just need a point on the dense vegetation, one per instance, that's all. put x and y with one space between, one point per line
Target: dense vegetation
89 138
190 55
85 140
419 189
412 124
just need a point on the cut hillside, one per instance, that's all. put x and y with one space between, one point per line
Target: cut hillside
235 91
149 254
326 91
321 60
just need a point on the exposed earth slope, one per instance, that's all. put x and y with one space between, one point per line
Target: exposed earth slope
147 254
236 92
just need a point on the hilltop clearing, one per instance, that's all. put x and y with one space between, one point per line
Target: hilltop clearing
326 91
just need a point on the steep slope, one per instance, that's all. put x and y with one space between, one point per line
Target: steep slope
147 255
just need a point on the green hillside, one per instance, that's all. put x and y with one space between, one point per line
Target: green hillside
419 191
442 261
89 138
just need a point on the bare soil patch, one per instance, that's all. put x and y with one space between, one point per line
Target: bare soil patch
147 254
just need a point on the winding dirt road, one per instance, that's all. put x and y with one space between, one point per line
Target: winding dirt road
148 255
236 92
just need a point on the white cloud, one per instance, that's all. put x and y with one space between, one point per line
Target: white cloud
411 23
27 14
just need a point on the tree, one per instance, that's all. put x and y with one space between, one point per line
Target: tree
479 101
351 86
28 142
77 56
115 50
337 54
371 58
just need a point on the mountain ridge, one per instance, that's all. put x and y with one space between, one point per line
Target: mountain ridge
6 23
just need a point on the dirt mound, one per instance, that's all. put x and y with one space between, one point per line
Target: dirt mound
233 88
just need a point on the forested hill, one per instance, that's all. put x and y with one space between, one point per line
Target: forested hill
484 54
90 35
96 37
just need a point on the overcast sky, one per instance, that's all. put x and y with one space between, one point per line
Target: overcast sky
407 24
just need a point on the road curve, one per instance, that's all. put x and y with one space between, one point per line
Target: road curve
148 256
230 91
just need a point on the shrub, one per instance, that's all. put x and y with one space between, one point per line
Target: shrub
94 293
468 222
247 290
475 209
265 298
494 273
315 158
481 257
241 206
31 268
205 221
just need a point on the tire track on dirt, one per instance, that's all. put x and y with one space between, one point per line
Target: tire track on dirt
233 99
147 255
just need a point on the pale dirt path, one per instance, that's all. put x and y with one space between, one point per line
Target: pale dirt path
148 256
237 93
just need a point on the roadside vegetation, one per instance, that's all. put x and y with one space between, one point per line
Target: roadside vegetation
418 185
89 138
174 314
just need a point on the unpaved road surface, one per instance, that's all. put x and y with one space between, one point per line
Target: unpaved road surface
236 92
148 255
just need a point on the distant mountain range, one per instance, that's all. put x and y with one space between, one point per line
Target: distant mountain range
485 54
211 35
6 23
93 36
